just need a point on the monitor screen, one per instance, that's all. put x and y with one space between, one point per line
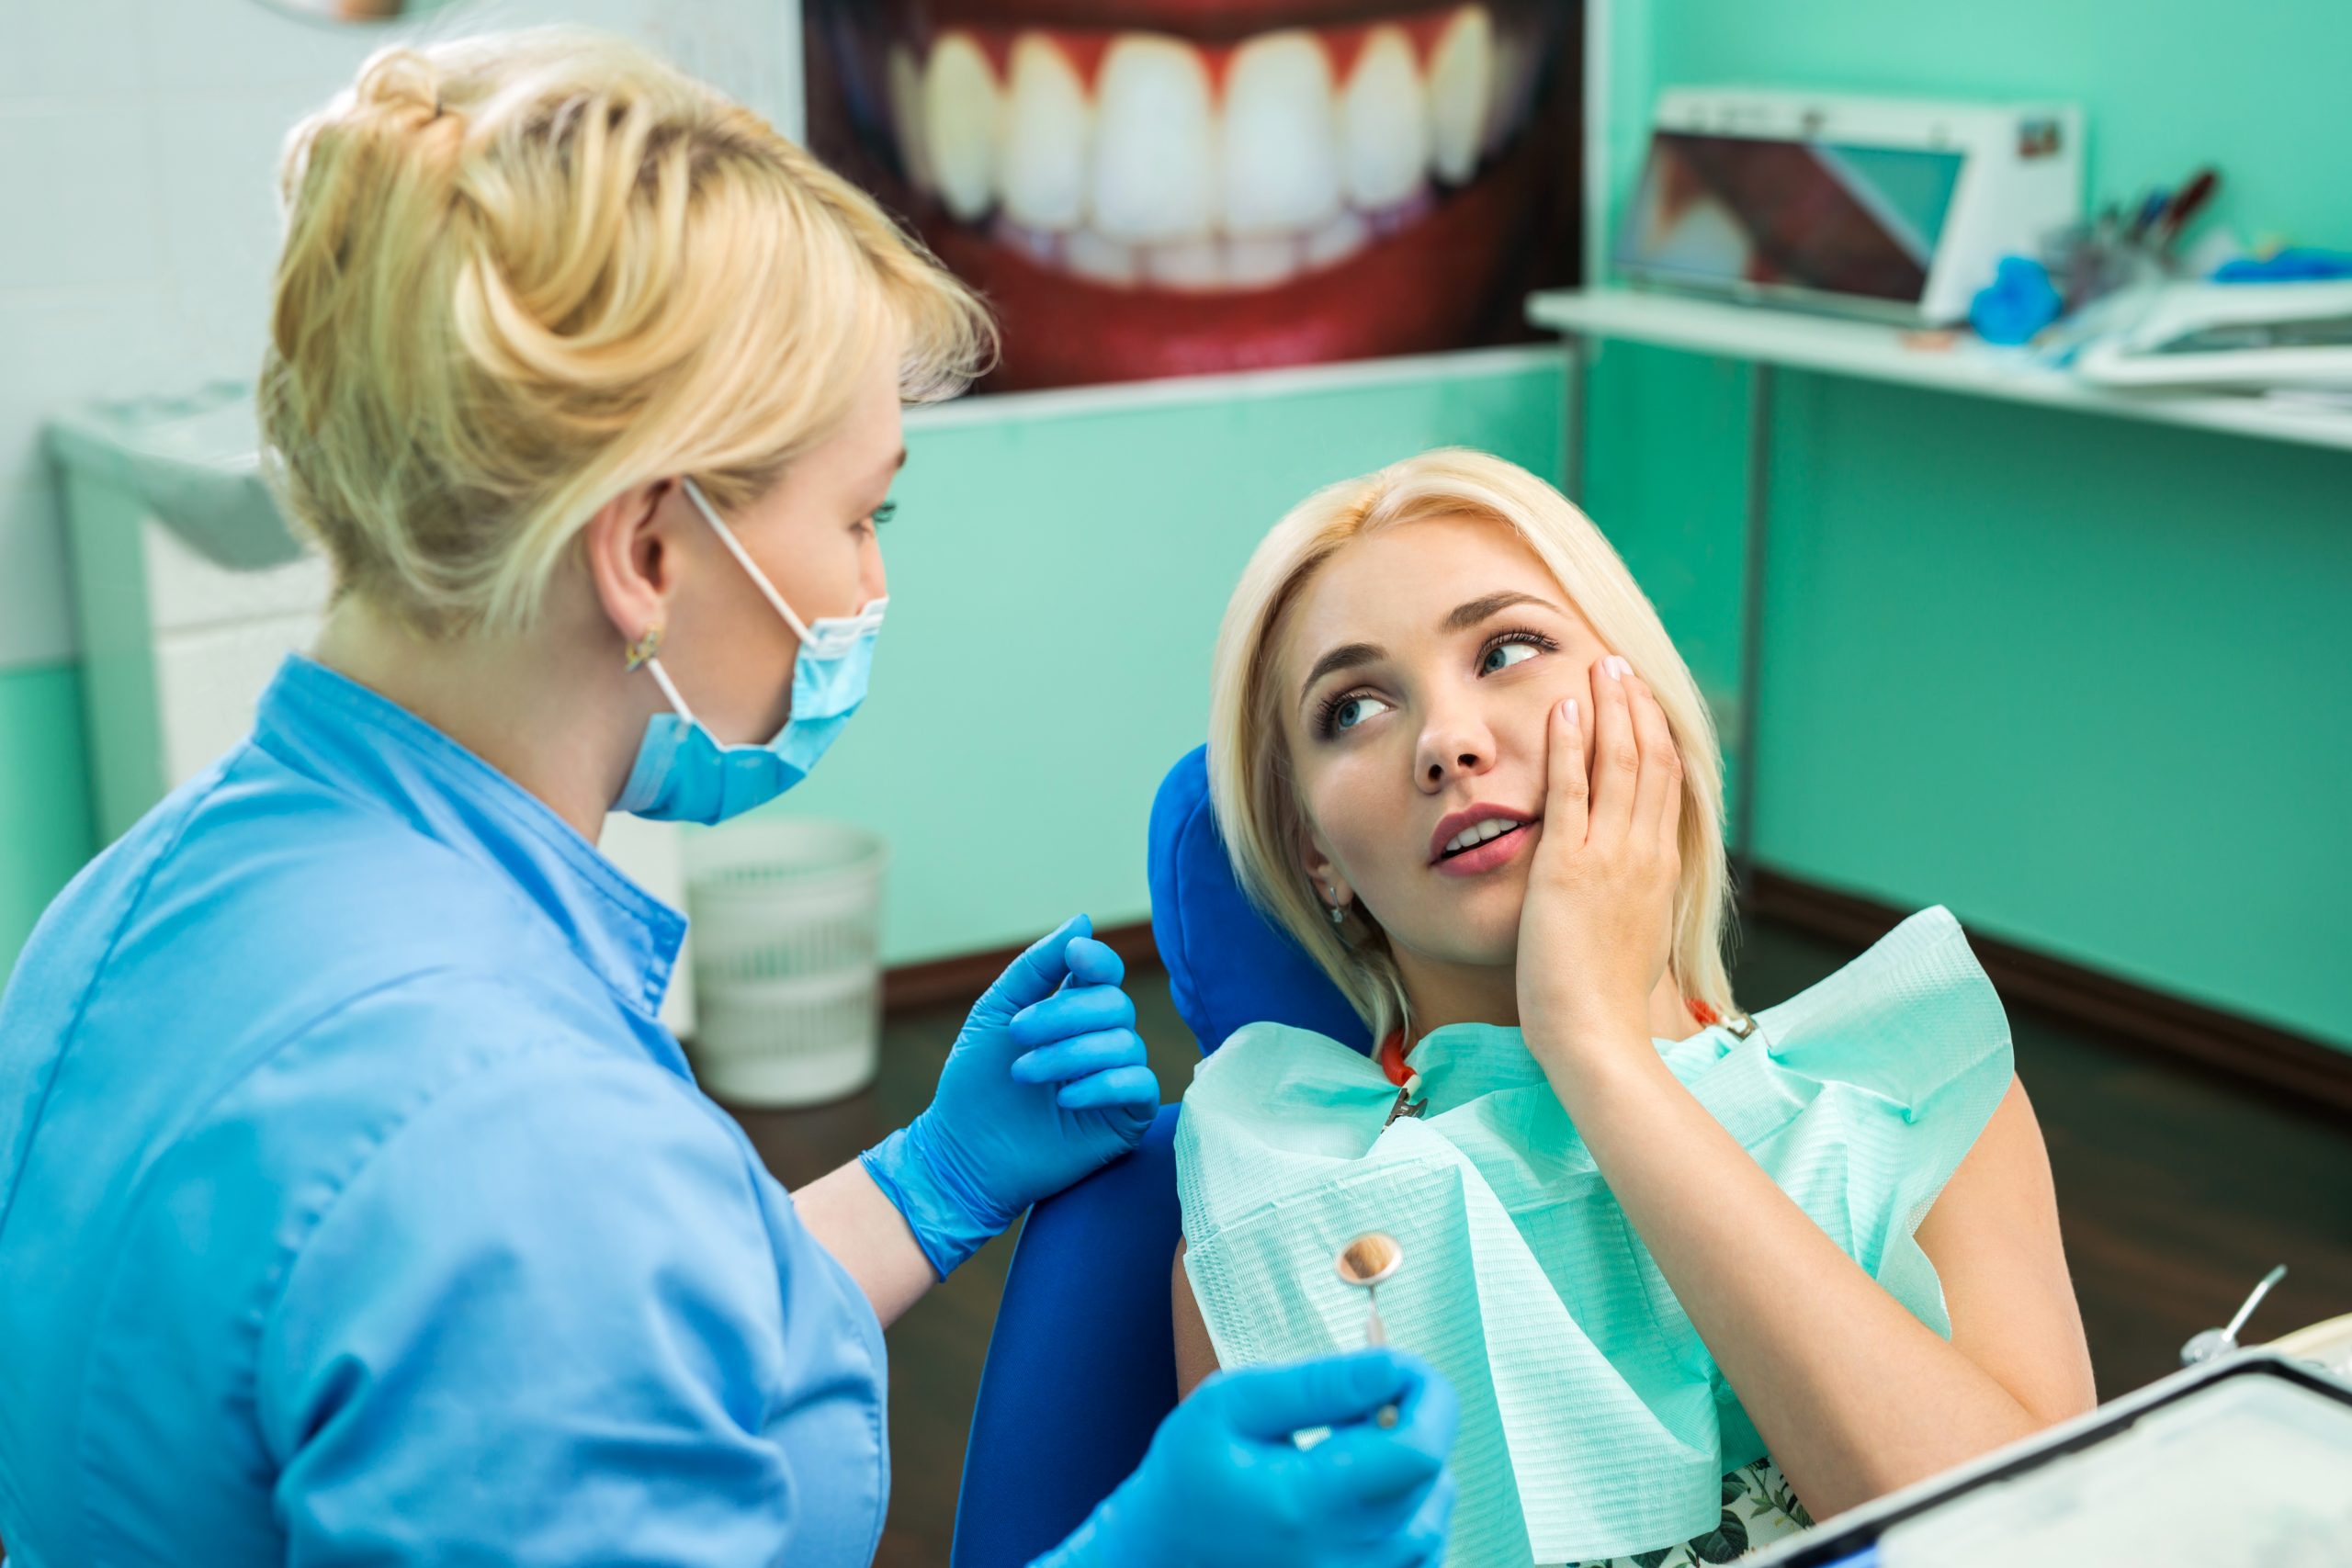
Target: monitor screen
1826 217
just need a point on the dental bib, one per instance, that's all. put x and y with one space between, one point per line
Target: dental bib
1594 1422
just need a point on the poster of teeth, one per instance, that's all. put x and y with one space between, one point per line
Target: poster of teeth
1167 188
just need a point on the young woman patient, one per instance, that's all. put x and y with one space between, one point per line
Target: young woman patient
1697 1276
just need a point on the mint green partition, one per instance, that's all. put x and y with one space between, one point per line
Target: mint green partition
2086 681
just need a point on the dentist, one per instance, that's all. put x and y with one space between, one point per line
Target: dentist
354 1206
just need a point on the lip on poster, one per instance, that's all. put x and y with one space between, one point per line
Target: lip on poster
1153 189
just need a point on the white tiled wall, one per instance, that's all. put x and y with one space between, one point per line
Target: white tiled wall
137 153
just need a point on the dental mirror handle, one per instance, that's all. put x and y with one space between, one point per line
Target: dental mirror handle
2254 1300
1376 1333
2212 1343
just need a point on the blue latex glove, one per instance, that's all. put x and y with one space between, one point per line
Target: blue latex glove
1225 1486
2296 264
2017 303
1046 1082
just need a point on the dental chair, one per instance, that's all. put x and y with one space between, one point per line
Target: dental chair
1082 1365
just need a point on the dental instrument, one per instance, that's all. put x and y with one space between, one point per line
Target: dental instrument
2213 1344
1364 1263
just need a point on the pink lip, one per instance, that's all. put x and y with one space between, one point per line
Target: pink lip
1470 817
1496 852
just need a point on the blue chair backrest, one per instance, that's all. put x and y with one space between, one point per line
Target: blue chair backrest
1082 1365
1227 963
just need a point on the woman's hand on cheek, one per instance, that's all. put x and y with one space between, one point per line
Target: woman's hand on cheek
1597 929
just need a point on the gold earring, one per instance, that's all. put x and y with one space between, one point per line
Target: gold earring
646 647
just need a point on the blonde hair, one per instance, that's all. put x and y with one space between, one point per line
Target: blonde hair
1251 784
524 272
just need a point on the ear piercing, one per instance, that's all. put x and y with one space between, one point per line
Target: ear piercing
643 650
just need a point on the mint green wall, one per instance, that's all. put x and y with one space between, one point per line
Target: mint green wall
2083 680
44 796
1056 581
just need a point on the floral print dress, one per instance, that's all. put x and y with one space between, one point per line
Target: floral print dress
1759 1509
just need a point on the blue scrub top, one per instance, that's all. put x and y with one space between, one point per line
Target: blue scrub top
355 1206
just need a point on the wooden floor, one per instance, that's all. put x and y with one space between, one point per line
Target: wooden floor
2177 1190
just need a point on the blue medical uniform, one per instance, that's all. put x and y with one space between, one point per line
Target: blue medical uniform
355 1206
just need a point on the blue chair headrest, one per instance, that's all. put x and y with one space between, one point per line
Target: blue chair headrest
1227 964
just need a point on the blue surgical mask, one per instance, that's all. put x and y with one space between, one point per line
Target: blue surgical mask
685 774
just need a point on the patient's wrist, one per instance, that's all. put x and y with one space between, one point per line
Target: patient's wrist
1585 1030
1586 1060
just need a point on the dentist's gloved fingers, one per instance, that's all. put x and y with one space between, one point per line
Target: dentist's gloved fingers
1418 1542
1075 1058
1274 1402
1382 1474
1421 1543
1032 977
1093 963
1353 1506
1426 1417
1082 1010
1137 1088
1427 1412
1435 1520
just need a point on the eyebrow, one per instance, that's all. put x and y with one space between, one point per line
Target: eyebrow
1347 656
1461 618
1464 616
887 473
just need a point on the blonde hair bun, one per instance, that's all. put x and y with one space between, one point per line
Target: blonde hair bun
399 78
523 272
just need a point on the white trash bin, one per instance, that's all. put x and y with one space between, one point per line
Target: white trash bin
786 917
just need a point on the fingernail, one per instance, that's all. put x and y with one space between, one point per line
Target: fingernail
1618 667
1568 711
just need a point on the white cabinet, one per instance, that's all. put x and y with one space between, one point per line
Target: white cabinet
190 593
217 636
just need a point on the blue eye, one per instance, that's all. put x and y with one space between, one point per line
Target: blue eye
1503 655
1345 712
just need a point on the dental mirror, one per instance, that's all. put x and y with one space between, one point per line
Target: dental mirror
2213 1343
1364 1263
356 12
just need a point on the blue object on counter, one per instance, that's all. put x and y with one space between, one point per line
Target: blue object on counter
2297 263
2017 303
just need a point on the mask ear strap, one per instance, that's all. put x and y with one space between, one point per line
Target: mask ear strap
661 679
743 558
